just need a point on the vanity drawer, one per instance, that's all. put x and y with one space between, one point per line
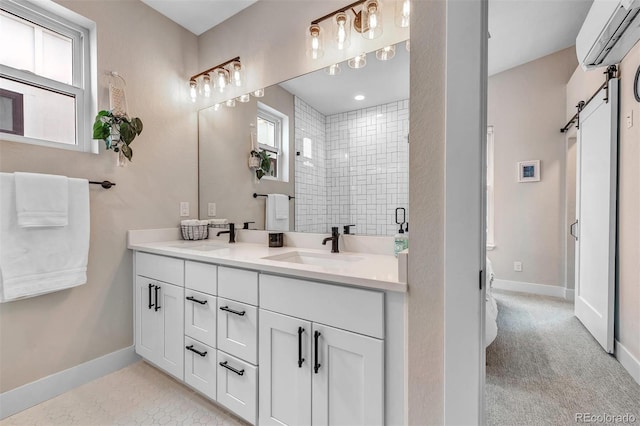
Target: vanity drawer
353 309
161 268
201 277
238 390
238 329
200 367
200 316
238 284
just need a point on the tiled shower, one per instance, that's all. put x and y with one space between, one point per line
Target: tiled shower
351 168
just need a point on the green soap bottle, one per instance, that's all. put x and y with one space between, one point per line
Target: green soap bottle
401 241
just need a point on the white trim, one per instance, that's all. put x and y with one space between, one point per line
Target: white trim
532 288
26 396
628 361
569 294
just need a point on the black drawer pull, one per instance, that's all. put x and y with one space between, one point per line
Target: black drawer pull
193 299
317 365
300 359
226 308
157 308
150 304
228 367
202 354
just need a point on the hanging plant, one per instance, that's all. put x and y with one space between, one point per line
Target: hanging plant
265 163
117 131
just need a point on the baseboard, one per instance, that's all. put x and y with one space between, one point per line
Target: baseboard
569 294
26 396
628 361
523 287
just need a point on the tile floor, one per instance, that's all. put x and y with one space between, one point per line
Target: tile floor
136 395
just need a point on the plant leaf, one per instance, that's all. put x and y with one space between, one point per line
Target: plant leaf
127 151
136 123
127 133
104 113
259 174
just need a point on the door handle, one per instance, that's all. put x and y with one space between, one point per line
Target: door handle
571 229
317 365
150 304
228 367
227 309
193 299
300 359
190 348
157 289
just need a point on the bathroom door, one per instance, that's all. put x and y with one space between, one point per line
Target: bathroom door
595 227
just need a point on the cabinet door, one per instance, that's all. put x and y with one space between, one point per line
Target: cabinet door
285 370
348 384
171 313
200 316
237 386
147 321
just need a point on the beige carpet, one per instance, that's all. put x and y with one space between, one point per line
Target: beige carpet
544 367
136 395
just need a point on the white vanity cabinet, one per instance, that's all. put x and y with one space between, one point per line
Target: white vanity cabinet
311 371
160 312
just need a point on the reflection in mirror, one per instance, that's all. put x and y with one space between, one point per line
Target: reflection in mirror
337 141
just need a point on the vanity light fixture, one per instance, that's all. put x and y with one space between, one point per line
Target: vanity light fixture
315 48
221 76
403 13
258 93
206 80
333 69
217 107
372 18
386 53
193 92
357 62
244 98
230 103
342 30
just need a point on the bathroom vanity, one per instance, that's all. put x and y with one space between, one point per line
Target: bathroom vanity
287 335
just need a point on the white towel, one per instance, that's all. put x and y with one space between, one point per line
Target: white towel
41 200
277 212
41 260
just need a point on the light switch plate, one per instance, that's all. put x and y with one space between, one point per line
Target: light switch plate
517 266
211 209
184 209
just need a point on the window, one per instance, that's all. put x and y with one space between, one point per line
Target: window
490 201
272 130
45 76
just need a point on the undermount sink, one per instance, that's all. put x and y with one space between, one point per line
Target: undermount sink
316 259
199 247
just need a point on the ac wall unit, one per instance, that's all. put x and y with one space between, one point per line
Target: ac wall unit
610 30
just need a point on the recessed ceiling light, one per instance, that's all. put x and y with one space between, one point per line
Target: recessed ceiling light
358 97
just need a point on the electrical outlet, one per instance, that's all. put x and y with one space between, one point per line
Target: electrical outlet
184 208
630 119
211 210
517 266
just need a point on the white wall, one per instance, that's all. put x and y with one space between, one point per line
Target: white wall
527 106
50 333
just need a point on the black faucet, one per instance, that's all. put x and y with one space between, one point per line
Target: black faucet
347 229
231 232
334 240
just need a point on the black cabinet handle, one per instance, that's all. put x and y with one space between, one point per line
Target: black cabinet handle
317 365
193 299
227 309
150 304
228 367
157 308
300 359
190 348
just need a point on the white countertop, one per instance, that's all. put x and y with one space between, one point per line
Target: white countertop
376 271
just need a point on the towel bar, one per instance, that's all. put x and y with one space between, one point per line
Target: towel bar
105 183
264 195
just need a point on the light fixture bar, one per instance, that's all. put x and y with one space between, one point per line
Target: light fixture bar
334 13
224 64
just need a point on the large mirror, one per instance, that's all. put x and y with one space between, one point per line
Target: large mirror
337 142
